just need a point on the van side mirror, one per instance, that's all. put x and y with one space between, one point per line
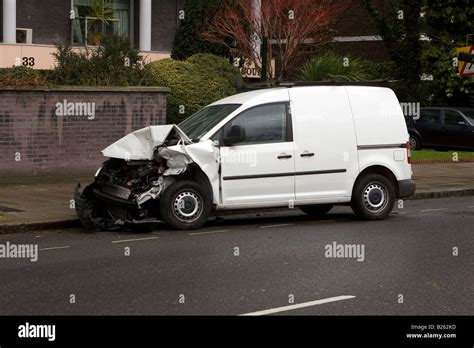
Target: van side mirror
462 124
234 136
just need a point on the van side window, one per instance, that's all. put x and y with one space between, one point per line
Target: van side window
452 118
262 124
430 117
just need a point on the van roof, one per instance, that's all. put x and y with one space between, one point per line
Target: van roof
242 98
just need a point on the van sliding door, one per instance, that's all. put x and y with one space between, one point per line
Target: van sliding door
326 162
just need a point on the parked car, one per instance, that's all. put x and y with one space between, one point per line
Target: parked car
442 128
305 147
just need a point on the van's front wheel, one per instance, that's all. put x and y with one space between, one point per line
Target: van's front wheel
373 197
185 205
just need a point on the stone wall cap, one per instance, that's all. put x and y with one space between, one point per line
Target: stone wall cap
120 89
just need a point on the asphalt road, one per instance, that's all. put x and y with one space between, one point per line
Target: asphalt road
248 264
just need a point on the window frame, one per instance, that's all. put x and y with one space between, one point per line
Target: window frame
289 125
130 30
458 113
204 136
440 118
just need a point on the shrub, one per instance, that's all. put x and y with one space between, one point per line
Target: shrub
330 66
115 63
195 83
216 65
22 76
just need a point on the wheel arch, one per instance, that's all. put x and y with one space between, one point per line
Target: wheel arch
381 170
416 133
196 174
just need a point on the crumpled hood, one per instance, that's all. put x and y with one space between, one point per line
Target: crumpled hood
139 145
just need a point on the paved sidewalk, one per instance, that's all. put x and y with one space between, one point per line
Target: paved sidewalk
38 202
443 176
45 202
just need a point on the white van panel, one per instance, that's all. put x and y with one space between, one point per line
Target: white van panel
253 174
323 126
385 158
378 116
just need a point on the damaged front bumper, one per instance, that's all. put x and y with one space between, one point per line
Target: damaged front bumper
105 212
126 191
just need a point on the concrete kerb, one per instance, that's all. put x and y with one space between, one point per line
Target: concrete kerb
28 227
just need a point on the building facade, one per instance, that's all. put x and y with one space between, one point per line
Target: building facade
31 28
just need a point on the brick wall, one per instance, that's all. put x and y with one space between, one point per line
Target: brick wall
34 140
356 20
163 24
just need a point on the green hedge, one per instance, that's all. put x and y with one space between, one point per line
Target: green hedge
114 63
23 76
196 82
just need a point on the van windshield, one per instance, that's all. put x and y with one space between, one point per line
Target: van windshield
198 124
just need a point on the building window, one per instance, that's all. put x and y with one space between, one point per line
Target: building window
96 18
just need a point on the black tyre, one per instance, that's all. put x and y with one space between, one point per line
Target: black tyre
318 210
415 142
373 197
185 205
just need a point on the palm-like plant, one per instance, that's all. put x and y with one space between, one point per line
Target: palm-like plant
102 12
332 66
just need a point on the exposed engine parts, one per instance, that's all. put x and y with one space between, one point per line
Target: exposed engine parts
121 191
128 189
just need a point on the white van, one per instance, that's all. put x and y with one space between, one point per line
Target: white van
304 147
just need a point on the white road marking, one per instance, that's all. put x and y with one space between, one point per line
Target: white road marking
280 225
300 305
54 248
438 209
206 232
133 240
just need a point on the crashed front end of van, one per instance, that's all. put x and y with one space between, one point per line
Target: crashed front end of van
141 165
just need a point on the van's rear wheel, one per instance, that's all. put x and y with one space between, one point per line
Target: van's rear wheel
373 197
185 205
318 210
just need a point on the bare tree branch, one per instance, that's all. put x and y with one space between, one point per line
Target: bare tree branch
288 24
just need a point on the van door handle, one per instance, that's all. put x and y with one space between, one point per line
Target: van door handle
283 156
307 154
